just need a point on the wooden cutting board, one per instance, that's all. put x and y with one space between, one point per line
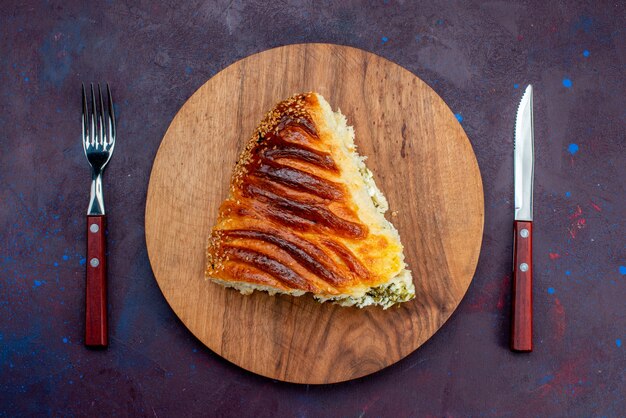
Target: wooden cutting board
421 159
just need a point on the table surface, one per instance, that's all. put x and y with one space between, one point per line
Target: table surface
477 55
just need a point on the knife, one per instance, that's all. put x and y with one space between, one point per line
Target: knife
523 163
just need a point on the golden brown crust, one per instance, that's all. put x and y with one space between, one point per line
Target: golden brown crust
290 223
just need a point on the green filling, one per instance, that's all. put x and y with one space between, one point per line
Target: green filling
384 295
391 293
388 294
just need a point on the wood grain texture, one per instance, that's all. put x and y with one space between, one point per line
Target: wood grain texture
421 159
522 300
96 329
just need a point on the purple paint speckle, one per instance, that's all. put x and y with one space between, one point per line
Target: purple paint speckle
618 343
572 148
622 270
585 53
384 39
551 291
567 83
459 117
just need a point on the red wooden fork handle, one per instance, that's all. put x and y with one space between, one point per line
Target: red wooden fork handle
96 334
522 324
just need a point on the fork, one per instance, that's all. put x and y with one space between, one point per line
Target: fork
98 143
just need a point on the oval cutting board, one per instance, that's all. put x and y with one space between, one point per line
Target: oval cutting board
421 159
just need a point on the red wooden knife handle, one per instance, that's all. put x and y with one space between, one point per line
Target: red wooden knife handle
522 325
96 334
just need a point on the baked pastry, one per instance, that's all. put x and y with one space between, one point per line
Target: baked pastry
304 215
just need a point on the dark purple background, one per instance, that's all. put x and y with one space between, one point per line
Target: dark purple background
477 55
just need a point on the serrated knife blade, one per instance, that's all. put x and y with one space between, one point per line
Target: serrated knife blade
523 163
524 158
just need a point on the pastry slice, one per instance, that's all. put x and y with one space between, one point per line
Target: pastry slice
305 216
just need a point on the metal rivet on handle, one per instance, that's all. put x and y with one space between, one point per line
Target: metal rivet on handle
94 262
522 267
524 233
94 228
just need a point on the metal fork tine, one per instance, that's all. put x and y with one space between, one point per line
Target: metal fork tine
85 125
102 129
92 130
111 117
98 138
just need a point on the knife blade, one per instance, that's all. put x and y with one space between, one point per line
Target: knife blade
523 163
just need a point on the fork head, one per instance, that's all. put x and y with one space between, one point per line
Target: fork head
98 129
98 143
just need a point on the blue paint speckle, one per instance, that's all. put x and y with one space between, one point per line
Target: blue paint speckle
66 257
585 53
440 21
516 86
585 23
65 340
82 261
26 79
459 117
622 270
384 39
568 194
567 83
37 283
546 379
551 291
618 343
568 273
58 51
56 264
188 70
572 148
